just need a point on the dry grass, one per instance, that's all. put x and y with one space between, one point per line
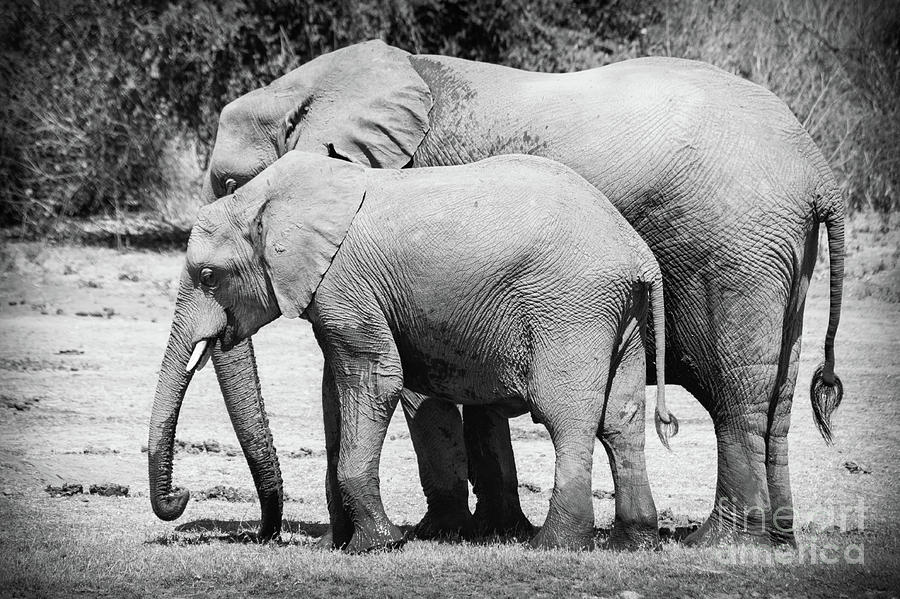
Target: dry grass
107 547
873 256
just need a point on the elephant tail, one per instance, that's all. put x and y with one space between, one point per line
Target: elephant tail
666 422
826 390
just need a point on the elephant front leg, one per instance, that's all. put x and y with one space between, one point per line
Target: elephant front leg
437 436
492 470
368 396
341 531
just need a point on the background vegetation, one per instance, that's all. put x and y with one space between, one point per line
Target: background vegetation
110 106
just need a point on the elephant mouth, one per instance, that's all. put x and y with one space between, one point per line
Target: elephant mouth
229 336
227 339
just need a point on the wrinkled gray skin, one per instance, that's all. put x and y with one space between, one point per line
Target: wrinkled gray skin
511 282
714 172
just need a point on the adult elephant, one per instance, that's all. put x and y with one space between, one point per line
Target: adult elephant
714 172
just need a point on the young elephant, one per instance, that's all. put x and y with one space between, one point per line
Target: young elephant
510 281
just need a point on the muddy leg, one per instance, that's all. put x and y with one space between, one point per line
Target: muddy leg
570 520
364 422
742 508
622 435
781 525
368 378
338 536
781 531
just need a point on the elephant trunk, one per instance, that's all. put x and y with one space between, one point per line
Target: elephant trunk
239 381
168 502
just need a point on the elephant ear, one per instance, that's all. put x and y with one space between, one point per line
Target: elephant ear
364 103
310 202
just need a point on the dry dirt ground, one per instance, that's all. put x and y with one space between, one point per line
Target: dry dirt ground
82 331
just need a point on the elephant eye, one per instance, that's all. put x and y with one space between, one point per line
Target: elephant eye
208 278
230 186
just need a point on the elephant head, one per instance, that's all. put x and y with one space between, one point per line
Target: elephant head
317 108
364 103
285 226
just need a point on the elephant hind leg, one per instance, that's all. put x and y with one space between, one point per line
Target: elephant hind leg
566 394
437 436
739 380
781 525
742 508
748 388
570 519
622 435
492 470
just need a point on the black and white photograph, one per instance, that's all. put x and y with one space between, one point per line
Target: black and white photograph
450 298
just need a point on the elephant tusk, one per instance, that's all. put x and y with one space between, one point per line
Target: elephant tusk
204 359
197 356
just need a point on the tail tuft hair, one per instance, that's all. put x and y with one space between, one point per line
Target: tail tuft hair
666 428
825 399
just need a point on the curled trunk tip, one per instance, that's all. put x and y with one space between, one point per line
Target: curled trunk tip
171 505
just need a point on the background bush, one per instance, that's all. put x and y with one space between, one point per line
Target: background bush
100 96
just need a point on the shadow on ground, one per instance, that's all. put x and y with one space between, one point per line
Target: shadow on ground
295 532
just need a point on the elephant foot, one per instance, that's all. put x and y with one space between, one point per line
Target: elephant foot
783 537
510 525
330 540
270 521
548 538
633 538
435 524
268 532
714 533
248 536
365 540
326 541
781 530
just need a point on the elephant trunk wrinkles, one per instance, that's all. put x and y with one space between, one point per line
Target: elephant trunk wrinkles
239 382
168 502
